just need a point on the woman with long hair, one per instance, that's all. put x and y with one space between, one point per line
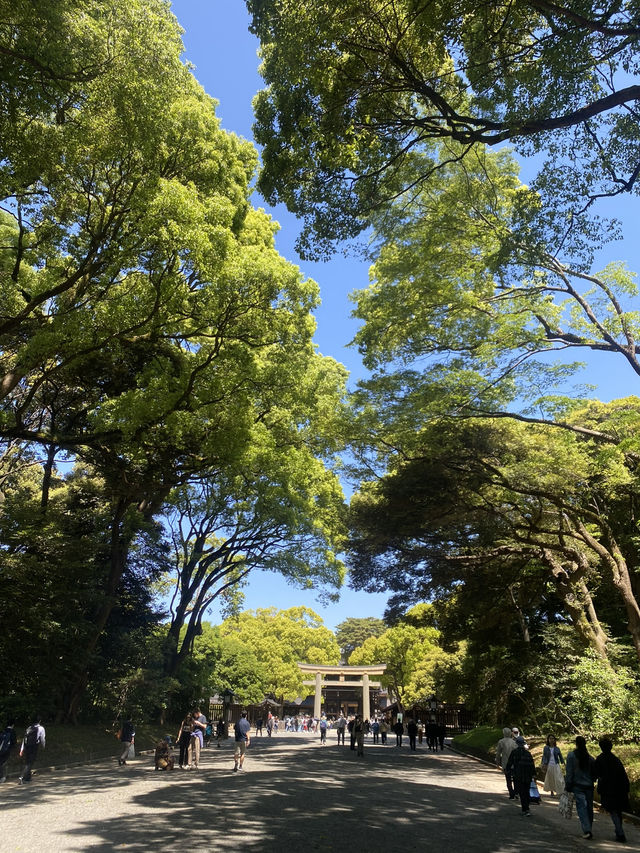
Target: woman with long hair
580 779
551 761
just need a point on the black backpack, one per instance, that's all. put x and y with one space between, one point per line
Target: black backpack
31 737
5 740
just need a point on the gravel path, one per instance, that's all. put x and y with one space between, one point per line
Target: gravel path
293 797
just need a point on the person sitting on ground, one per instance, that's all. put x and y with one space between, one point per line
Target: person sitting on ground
163 755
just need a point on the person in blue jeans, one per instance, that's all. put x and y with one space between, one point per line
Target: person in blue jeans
580 778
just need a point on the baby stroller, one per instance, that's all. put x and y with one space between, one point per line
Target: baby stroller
164 755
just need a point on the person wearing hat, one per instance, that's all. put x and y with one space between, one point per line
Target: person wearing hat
523 769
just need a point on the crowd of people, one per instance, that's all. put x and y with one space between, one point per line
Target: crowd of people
513 757
582 774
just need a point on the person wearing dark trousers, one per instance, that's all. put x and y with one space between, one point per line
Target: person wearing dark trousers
34 737
412 731
613 785
523 769
399 731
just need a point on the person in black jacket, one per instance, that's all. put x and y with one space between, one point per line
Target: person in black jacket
412 731
127 735
7 742
613 785
522 769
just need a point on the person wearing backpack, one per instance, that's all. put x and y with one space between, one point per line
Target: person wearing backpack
33 738
7 742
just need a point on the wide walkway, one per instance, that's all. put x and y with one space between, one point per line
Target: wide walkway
294 796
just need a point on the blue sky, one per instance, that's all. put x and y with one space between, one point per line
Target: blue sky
224 53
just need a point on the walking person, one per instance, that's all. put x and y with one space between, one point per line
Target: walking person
259 727
358 729
375 728
323 731
7 742
341 725
399 730
183 739
580 777
34 737
352 733
523 770
220 731
243 740
127 737
613 785
384 728
412 731
504 748
551 761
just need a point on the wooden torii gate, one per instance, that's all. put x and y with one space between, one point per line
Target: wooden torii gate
348 676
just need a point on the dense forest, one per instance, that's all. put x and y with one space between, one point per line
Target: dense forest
167 424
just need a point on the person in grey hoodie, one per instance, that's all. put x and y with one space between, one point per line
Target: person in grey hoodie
504 748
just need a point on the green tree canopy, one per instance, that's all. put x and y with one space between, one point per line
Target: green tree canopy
355 90
413 657
280 639
354 631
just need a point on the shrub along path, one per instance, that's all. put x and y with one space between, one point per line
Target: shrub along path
294 796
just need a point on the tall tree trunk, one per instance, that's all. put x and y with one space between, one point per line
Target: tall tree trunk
118 558
47 475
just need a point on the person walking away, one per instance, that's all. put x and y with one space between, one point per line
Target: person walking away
523 770
127 737
352 733
34 737
442 733
7 742
551 761
399 730
580 777
412 731
384 728
375 728
358 729
504 748
323 731
183 738
420 731
197 738
220 731
613 785
241 731
341 725
259 727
